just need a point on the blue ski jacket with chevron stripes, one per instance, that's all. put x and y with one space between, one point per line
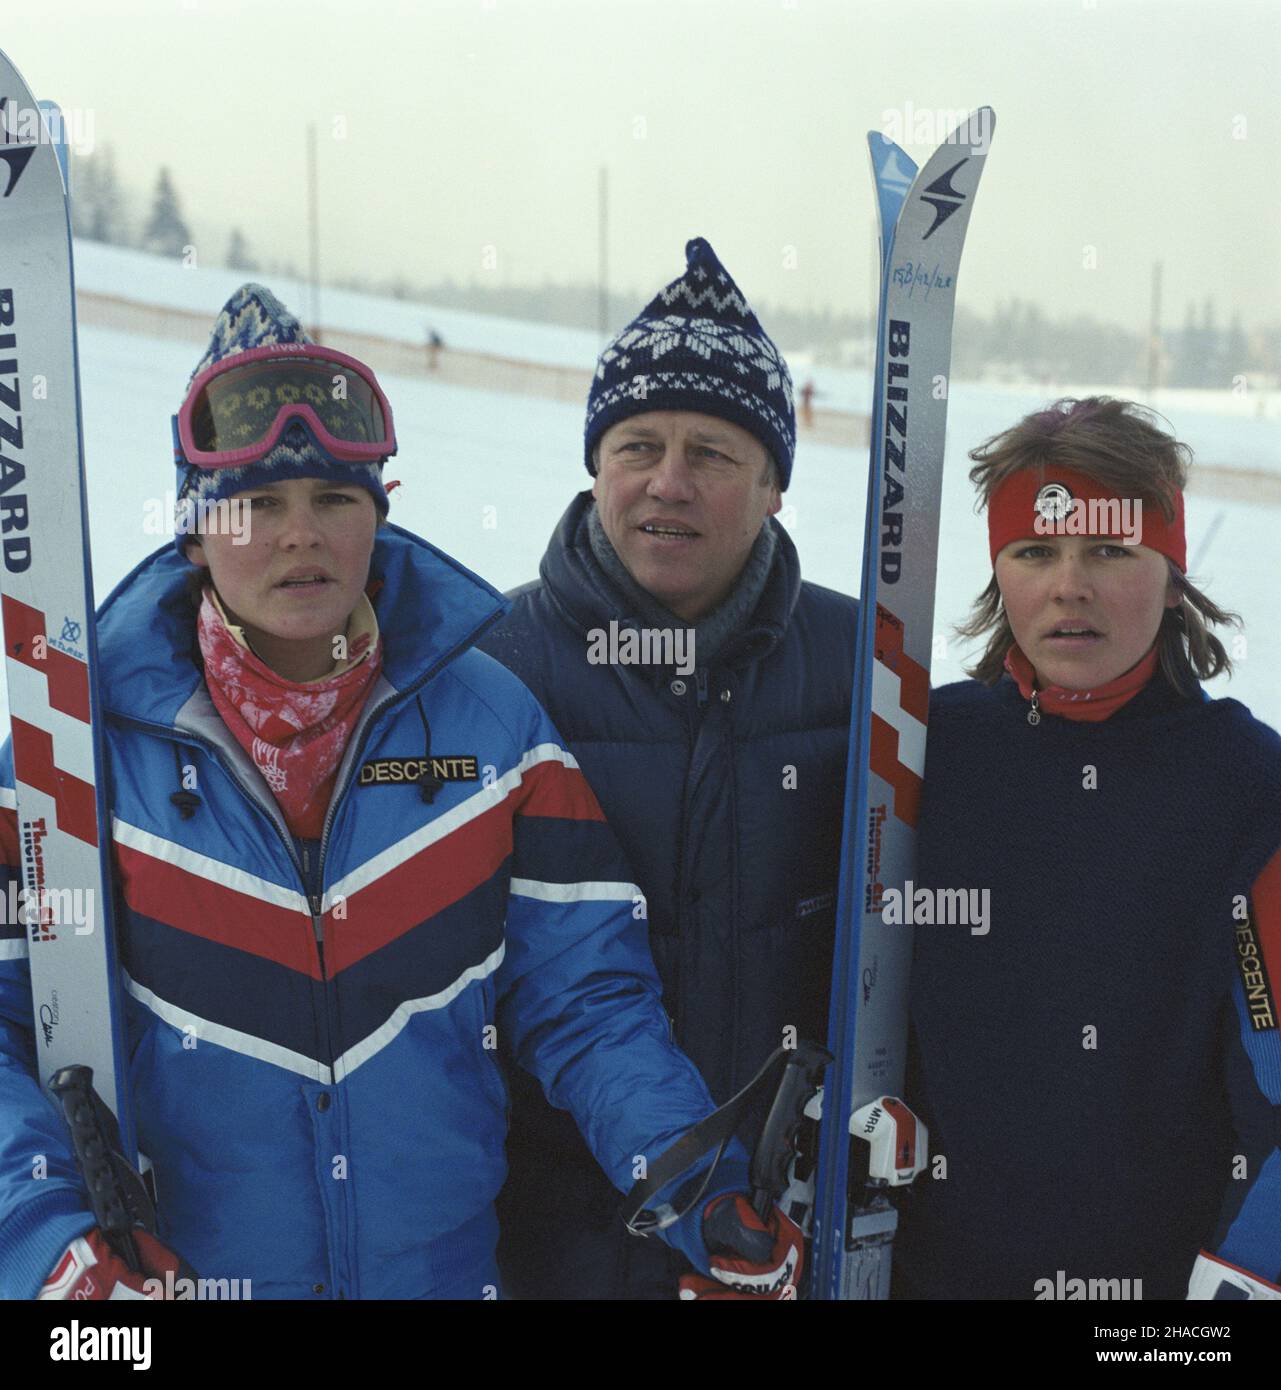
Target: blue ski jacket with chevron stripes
312 1025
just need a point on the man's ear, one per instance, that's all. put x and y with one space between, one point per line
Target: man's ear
775 501
596 470
195 552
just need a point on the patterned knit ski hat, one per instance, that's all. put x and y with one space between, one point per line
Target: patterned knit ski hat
697 346
253 317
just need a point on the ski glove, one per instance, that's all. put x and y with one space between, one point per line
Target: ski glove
91 1270
750 1258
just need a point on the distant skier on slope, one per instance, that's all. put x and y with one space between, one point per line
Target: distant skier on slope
350 851
1100 1068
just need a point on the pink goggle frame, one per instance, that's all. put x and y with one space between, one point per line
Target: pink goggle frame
347 450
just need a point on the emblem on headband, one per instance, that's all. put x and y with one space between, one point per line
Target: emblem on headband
1053 502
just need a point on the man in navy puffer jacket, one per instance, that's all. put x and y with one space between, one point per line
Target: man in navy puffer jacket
704 689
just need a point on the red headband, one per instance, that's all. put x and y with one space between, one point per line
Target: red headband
1052 493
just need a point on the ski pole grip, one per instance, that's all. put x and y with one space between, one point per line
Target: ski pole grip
801 1077
116 1193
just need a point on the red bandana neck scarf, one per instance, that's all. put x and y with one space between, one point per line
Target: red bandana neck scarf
295 732
1091 706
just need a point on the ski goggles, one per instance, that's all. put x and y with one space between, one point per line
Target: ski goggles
237 410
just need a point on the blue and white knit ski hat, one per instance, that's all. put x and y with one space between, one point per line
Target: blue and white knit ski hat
698 346
253 317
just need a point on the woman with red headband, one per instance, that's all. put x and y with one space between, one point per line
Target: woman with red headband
349 848
1100 1069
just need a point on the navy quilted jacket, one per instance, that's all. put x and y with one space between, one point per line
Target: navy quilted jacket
725 788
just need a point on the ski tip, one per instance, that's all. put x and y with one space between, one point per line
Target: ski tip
889 162
976 129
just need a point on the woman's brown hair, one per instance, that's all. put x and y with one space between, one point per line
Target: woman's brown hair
1118 444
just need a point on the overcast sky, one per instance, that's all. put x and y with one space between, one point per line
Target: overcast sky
1143 129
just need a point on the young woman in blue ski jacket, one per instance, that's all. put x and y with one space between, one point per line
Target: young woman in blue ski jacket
1101 1067
349 848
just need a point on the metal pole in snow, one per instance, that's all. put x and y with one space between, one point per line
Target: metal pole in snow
313 219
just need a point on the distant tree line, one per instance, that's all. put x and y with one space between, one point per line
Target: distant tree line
1017 341
103 209
1019 338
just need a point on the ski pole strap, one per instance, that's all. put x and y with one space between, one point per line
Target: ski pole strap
714 1132
117 1194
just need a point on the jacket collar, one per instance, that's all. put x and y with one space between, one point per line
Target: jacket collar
1084 706
1154 697
586 599
429 608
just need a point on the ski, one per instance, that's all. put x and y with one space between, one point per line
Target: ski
923 220
46 595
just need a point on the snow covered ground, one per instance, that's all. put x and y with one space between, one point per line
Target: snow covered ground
486 476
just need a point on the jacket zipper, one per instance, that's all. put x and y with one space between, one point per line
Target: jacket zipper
317 922
693 732
359 737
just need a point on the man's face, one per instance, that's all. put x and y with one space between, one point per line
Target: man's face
681 499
